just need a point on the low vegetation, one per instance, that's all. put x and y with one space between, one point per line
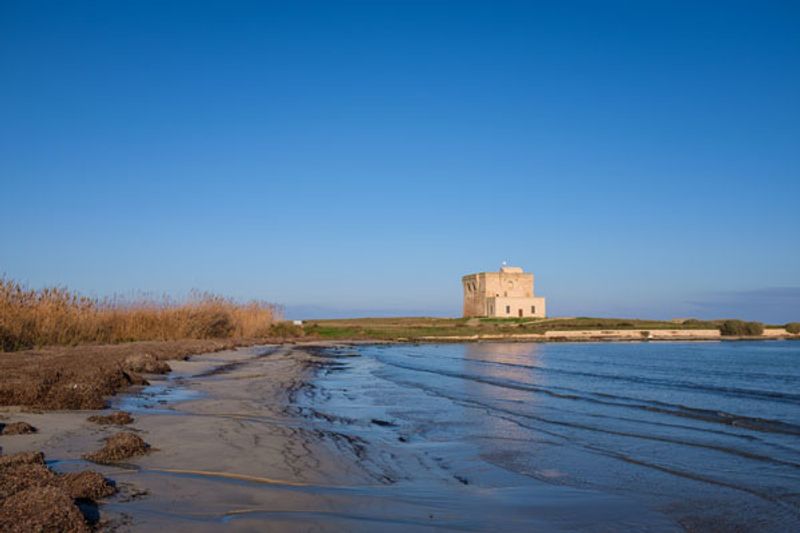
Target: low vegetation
285 330
57 316
416 328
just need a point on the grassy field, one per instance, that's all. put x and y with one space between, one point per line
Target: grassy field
418 327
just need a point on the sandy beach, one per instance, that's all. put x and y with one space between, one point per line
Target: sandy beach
236 441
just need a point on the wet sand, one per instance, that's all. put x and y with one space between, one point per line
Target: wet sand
238 440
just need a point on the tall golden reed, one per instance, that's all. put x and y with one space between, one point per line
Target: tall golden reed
57 316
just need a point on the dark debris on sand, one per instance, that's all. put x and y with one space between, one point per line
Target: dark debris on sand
82 377
145 363
34 498
119 447
21 458
117 418
16 428
41 508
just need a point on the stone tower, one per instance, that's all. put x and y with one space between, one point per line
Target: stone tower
504 294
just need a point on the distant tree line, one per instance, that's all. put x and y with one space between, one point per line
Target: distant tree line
741 328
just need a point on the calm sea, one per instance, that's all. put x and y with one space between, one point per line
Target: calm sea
699 436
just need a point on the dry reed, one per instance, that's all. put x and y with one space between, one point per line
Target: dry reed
57 316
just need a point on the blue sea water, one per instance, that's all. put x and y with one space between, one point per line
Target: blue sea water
706 434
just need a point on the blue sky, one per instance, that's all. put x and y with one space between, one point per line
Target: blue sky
641 158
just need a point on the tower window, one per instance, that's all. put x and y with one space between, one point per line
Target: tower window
508 309
533 309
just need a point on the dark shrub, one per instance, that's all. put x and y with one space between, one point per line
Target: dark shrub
211 324
8 342
740 327
755 328
793 327
694 323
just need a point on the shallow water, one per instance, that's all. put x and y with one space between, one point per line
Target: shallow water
157 398
704 434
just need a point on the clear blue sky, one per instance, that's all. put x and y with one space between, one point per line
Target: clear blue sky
641 158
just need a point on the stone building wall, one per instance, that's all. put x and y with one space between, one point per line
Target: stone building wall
495 293
516 307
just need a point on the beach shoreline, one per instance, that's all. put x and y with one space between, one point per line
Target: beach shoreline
250 439
244 435
85 376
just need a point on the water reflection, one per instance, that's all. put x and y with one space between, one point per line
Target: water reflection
511 360
493 364
521 353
